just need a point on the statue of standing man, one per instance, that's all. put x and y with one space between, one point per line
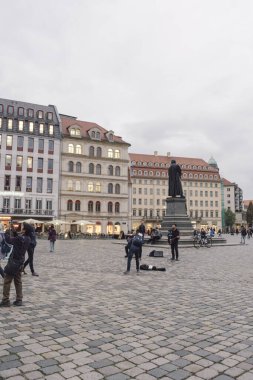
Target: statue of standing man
175 186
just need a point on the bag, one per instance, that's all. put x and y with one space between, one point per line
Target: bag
137 241
151 267
5 249
156 253
12 266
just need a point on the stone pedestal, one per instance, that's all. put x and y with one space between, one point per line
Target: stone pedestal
176 213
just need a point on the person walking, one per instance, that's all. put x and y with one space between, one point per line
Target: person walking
243 234
135 246
30 251
52 237
15 263
173 238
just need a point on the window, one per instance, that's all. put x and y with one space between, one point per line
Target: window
9 142
117 188
98 135
139 190
110 153
117 207
110 170
6 204
1 108
91 151
206 193
30 144
78 186
117 171
90 187
38 205
51 129
49 185
77 206
98 187
110 188
29 163
90 206
41 129
206 203
39 185
40 164
50 116
70 185
10 124
207 214
75 132
19 162
98 206
41 146
7 182
31 127
30 112
109 207
216 204
70 166
29 184
49 206
70 148
50 165
134 201
93 134
91 168
17 204
50 146
28 205
116 153
216 193
201 203
99 152
157 191
78 149
10 110
20 125
40 114
211 193
211 203
98 169
216 214
211 214
1 122
78 167
8 159
18 183
69 205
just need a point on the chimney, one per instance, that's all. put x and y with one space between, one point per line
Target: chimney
168 154
155 153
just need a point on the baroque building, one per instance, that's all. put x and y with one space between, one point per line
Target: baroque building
149 189
94 178
30 137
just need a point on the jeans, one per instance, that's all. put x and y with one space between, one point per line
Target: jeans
52 246
174 249
29 261
129 259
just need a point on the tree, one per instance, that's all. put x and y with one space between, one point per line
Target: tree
229 218
249 213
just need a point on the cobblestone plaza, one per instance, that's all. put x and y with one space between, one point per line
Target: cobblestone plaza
83 319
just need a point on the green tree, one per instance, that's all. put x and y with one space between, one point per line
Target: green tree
249 213
229 218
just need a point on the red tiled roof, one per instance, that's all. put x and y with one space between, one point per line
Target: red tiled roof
246 202
226 182
85 126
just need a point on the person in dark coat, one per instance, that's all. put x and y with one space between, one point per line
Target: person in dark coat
135 249
30 251
175 186
20 245
52 237
173 238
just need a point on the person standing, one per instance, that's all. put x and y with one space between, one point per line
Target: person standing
243 234
173 238
135 249
30 251
52 237
142 229
14 266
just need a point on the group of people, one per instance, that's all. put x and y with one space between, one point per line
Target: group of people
19 244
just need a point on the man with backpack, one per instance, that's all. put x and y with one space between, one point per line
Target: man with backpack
135 245
30 251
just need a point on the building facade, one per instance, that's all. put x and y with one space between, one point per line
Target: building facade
30 137
233 200
94 178
201 186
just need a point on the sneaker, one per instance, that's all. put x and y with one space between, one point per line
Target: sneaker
17 303
35 274
126 272
5 304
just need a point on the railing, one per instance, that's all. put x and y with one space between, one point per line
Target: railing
19 211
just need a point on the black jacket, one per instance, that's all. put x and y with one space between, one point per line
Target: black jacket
20 244
174 236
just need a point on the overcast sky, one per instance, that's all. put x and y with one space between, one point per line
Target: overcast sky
167 75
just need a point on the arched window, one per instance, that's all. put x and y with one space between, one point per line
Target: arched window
98 206
77 206
139 172
98 135
91 151
70 205
78 186
99 152
93 134
110 188
98 187
109 207
117 208
70 148
98 169
110 153
70 166
78 149
90 206
91 168
117 188
78 167
116 153
110 170
117 171
70 185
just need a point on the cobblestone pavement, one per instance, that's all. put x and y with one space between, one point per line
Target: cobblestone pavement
83 319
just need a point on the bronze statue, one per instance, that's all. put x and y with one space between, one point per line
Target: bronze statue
175 186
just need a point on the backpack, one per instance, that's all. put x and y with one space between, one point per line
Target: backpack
137 241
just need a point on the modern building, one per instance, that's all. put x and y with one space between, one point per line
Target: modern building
94 178
201 186
233 200
30 137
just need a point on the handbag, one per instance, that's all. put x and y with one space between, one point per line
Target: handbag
12 267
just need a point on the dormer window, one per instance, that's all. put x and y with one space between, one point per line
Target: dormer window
50 116
110 137
40 114
10 110
93 134
21 111
75 132
30 112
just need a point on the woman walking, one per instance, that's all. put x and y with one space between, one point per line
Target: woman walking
52 237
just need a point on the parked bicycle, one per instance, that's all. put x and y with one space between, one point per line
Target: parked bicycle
199 241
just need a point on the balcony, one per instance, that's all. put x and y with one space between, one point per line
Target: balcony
25 212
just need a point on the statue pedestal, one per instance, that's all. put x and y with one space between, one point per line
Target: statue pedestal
176 213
